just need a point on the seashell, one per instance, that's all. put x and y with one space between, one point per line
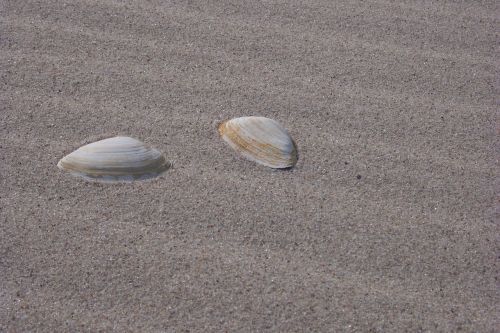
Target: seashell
118 159
261 140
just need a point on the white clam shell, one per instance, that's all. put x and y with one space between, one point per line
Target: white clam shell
261 140
118 159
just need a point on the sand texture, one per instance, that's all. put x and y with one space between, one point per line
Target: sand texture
386 224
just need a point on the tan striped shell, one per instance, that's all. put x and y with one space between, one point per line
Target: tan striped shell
261 140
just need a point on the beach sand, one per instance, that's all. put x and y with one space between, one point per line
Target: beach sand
386 224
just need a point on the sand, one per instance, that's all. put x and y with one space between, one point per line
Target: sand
386 224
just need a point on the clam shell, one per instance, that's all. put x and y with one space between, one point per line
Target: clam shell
261 140
118 159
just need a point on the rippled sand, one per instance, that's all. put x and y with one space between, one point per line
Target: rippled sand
386 224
